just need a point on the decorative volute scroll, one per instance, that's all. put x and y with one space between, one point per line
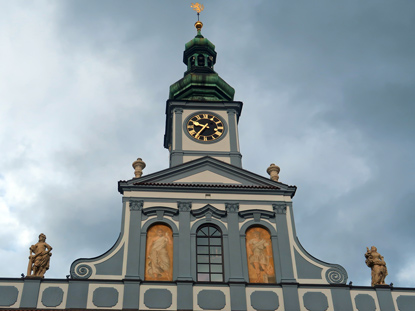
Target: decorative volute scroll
375 261
39 258
273 171
138 166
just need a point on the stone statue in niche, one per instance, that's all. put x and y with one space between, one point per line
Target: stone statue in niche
39 258
159 254
378 265
260 258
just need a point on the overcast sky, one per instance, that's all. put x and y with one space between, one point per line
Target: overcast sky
328 91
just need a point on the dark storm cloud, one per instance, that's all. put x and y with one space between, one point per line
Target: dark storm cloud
328 95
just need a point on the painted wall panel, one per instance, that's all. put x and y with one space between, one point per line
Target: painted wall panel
52 296
105 297
159 253
8 295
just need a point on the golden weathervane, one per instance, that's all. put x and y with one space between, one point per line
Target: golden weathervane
197 7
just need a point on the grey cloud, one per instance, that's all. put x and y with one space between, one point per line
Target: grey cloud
328 95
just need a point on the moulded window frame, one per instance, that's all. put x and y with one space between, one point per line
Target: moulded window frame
209 254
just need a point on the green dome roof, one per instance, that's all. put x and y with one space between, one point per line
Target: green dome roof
200 81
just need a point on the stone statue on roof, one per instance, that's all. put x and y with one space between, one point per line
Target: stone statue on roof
39 258
376 262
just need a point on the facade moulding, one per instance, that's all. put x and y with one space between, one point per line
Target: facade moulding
232 207
160 211
135 205
257 215
280 208
209 211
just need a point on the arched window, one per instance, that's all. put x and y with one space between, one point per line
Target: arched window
159 253
192 61
210 62
209 254
200 60
260 257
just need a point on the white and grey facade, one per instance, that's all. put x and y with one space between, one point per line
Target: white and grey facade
204 188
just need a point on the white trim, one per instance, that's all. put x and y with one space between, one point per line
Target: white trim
201 196
225 290
19 287
292 241
44 286
93 287
250 290
171 288
372 293
303 291
395 296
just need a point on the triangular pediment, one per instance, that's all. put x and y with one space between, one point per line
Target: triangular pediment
206 172
207 176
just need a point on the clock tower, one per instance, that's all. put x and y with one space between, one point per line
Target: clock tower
201 116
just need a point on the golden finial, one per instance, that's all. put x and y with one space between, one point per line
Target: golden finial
198 8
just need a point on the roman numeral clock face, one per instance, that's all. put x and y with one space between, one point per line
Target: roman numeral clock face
205 127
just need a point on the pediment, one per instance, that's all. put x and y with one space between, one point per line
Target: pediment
207 176
207 172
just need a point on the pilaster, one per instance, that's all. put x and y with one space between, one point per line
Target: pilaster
233 138
184 242
176 157
133 259
30 293
131 295
385 297
236 271
287 273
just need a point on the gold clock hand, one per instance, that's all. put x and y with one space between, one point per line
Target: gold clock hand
198 124
203 127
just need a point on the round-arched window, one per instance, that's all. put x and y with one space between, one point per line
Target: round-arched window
209 249
200 60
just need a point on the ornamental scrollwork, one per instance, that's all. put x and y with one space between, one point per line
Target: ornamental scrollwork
280 208
336 275
82 271
232 207
184 206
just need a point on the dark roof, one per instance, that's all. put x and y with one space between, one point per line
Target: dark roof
192 185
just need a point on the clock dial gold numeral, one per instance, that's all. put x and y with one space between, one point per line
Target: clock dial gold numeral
205 127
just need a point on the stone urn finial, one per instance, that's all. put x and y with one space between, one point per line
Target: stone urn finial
138 166
273 171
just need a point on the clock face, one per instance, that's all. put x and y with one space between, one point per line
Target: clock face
205 127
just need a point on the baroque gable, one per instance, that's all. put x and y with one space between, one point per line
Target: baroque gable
206 172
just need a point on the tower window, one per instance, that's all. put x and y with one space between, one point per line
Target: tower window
210 62
192 61
201 60
209 254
